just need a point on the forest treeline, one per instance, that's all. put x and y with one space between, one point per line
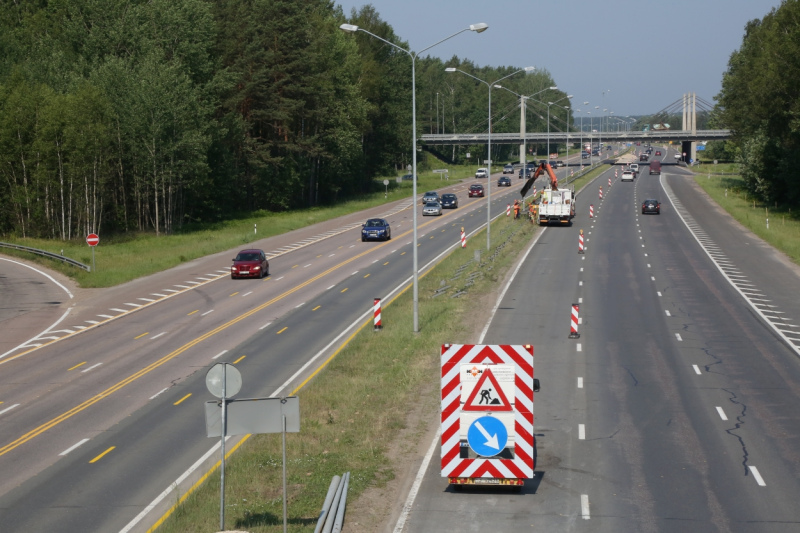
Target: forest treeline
146 115
760 103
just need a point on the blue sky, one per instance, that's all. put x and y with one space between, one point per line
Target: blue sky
644 55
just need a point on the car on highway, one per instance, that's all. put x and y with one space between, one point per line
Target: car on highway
553 164
655 167
504 181
658 152
643 157
651 206
250 263
476 190
482 173
560 164
376 229
432 209
627 175
585 155
449 201
508 169
609 148
677 157
430 196
634 167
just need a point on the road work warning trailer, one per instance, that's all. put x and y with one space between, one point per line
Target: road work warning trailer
487 414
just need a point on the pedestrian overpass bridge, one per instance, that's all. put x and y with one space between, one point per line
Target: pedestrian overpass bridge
576 136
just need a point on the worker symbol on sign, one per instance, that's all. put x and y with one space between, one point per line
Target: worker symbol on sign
487 395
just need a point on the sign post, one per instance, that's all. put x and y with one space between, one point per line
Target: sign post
92 240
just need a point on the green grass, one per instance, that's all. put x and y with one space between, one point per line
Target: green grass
784 224
126 257
357 405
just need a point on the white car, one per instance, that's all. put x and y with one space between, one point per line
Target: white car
627 175
634 167
432 208
482 173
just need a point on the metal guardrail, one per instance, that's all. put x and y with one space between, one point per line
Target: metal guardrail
51 255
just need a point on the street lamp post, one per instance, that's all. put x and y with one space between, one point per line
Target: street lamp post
351 28
489 145
522 128
548 122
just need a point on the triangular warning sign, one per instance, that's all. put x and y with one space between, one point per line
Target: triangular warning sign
487 396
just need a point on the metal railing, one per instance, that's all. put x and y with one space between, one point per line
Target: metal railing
51 255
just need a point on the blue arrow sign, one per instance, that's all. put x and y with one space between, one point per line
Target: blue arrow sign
487 436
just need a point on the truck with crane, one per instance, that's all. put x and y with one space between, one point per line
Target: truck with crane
555 205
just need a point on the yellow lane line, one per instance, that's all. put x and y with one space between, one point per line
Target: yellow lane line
193 312
317 307
101 455
172 355
242 357
76 366
235 293
142 335
281 331
386 263
295 266
365 277
344 290
179 401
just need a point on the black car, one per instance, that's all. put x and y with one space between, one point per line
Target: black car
376 229
504 181
449 201
651 206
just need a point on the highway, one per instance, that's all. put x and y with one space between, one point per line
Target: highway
675 410
107 411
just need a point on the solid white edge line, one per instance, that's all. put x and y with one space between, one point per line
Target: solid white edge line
158 393
757 476
722 414
10 407
74 446
48 276
585 507
412 493
54 324
220 353
582 431
696 369
678 336
580 382
138 518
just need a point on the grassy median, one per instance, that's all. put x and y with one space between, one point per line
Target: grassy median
380 386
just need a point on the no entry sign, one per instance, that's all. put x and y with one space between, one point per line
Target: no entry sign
92 239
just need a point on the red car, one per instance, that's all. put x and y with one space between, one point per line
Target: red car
250 264
658 152
476 190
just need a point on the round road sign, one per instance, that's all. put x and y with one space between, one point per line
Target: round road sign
92 239
233 380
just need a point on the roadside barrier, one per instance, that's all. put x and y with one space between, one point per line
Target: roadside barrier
573 325
463 238
376 314
580 243
508 209
591 210
601 192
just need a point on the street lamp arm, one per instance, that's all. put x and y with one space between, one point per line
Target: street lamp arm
477 28
351 28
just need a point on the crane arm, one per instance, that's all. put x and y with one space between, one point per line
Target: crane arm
544 167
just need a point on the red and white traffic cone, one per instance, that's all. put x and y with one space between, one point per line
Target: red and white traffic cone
463 238
508 209
609 180
615 173
376 314
580 243
601 193
573 324
591 210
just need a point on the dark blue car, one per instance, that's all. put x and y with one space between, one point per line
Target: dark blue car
449 201
376 229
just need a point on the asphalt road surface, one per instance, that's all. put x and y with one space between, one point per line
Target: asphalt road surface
104 415
676 409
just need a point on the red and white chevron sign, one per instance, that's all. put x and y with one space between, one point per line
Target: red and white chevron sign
461 366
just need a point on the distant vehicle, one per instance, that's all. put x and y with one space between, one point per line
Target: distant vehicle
251 263
523 173
585 155
449 201
560 163
508 169
482 173
504 181
476 190
658 152
553 164
407 177
655 166
644 157
376 229
634 167
677 157
430 196
432 208
609 147
627 175
651 206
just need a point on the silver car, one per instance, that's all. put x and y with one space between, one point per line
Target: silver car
430 196
432 208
